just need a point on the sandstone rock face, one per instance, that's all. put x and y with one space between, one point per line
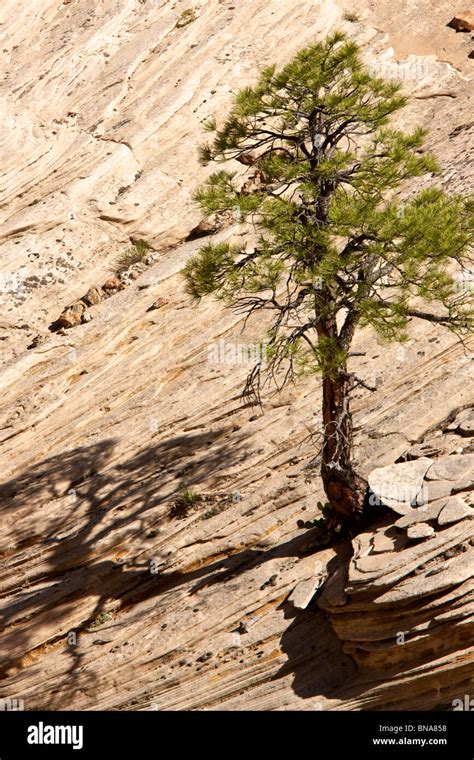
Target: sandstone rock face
99 158
409 612
107 600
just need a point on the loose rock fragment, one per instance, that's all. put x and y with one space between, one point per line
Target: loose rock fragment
72 315
399 486
451 468
455 509
466 427
463 21
421 530
93 296
158 304
422 514
304 591
334 593
382 543
437 489
113 283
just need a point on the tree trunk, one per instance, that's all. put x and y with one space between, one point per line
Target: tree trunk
344 488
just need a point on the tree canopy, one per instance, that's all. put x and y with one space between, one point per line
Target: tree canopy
337 247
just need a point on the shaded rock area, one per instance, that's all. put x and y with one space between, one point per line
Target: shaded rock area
409 588
463 22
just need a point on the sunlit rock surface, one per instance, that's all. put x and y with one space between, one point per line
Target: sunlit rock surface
112 597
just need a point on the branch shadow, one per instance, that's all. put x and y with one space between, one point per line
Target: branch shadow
67 512
62 513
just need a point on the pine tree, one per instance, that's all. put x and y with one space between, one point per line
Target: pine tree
337 249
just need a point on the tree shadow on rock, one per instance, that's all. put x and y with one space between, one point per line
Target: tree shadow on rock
315 655
67 519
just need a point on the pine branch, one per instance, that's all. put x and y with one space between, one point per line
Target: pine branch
454 321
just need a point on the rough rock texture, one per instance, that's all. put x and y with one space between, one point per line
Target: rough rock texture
102 109
73 315
463 22
409 611
111 598
455 509
400 486
420 530
425 480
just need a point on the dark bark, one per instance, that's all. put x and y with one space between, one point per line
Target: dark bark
344 488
